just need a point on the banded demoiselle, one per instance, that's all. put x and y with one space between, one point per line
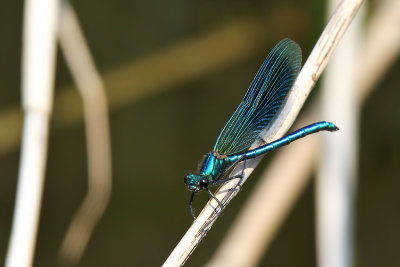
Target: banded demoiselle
262 102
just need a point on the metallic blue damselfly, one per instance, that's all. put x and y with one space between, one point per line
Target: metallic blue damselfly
263 100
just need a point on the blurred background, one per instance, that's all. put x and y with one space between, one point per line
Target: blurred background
174 72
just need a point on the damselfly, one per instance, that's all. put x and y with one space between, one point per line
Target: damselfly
264 99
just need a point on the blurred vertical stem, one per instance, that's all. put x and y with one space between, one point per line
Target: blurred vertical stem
92 90
337 170
38 70
307 78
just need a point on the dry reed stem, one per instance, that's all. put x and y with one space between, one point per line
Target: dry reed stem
38 71
336 183
94 100
278 189
308 76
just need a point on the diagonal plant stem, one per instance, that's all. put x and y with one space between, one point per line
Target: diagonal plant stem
280 186
307 78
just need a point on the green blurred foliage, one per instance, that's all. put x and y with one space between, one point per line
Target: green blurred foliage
157 140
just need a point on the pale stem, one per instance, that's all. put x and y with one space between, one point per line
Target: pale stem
38 70
95 110
310 73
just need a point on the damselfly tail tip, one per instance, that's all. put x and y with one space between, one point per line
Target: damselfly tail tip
333 127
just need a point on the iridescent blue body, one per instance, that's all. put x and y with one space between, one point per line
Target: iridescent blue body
262 102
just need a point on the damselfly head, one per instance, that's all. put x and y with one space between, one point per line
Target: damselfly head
195 182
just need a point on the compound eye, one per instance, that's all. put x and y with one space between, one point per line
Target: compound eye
204 182
186 179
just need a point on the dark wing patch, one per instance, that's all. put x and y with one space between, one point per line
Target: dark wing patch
264 98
